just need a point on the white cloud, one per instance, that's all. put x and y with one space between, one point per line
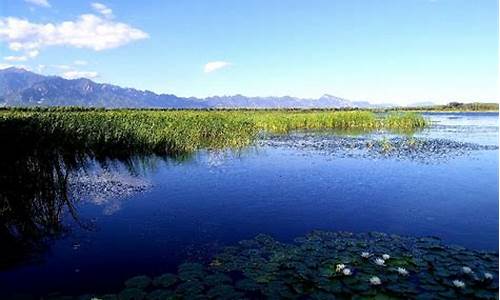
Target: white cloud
29 54
62 67
43 3
215 65
80 62
79 74
87 31
16 58
102 9
41 68
5 66
33 53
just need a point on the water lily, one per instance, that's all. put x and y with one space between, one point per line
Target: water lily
347 272
488 275
365 254
380 262
466 270
375 280
402 271
215 263
386 256
340 267
458 283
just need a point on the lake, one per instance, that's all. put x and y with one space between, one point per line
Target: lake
149 214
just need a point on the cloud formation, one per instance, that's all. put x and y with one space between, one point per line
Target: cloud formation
215 65
43 3
102 9
14 58
29 54
87 31
80 74
5 66
80 62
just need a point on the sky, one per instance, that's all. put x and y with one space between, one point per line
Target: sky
382 51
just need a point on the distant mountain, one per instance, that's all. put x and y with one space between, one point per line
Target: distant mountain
325 101
19 87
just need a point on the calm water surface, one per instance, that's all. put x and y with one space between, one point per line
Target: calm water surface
213 199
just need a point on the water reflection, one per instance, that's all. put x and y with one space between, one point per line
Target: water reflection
33 198
39 186
104 186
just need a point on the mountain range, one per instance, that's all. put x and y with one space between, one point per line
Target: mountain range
19 87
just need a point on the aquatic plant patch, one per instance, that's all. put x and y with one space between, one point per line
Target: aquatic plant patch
328 265
373 146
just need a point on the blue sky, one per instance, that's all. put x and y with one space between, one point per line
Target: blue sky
399 51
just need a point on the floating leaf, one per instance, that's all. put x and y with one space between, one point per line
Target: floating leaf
140 282
160 295
132 294
166 280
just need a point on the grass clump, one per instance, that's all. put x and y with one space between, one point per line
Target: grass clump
402 121
281 122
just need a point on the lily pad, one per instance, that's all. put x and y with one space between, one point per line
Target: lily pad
160 294
140 282
165 280
132 294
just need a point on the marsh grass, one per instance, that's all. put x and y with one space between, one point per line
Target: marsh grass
182 131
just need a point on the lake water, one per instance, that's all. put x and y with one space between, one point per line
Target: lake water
285 186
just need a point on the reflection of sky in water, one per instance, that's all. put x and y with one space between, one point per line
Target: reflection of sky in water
105 187
216 198
481 128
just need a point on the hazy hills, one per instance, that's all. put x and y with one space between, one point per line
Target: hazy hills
19 87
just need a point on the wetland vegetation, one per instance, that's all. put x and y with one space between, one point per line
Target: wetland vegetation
51 150
327 265
171 132
46 145
454 107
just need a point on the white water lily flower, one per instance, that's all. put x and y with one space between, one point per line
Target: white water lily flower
488 275
340 267
347 272
375 280
458 283
466 270
402 271
386 256
379 261
365 254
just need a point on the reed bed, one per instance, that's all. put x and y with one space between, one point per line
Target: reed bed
178 131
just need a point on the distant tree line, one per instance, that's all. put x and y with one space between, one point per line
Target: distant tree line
455 106
452 106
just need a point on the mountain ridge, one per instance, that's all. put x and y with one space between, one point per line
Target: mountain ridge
19 87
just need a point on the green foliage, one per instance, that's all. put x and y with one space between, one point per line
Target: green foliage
403 121
454 106
175 132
